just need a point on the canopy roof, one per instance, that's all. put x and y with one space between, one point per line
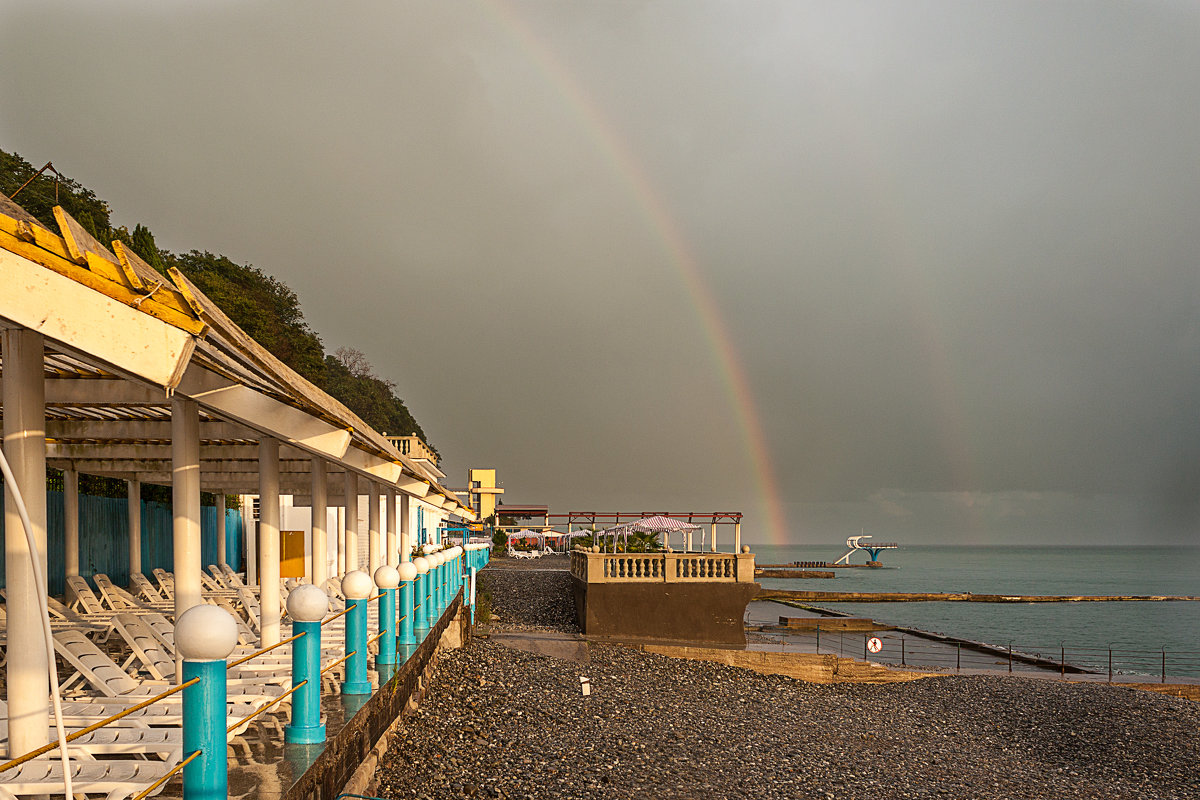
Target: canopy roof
655 525
121 340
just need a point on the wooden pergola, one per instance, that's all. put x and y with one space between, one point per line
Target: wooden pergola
108 368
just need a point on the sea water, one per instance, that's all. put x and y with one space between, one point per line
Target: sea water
1041 627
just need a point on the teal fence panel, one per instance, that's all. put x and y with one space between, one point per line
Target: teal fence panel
235 539
104 538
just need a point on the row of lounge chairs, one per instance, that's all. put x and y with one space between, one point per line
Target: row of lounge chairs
148 742
515 553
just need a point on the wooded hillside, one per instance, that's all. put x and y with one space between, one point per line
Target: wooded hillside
262 305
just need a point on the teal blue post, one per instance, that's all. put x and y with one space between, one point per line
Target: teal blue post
386 578
205 636
387 626
439 586
420 601
206 778
306 726
408 574
472 592
435 591
356 586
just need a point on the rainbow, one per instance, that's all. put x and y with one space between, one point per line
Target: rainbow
663 226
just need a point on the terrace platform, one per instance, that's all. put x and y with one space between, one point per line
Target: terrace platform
694 597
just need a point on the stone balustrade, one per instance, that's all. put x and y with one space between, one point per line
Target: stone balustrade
662 567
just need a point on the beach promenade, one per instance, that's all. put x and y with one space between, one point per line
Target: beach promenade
498 721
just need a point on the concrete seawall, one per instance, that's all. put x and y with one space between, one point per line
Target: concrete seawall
811 667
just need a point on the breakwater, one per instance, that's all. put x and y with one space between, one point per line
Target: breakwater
960 597
792 573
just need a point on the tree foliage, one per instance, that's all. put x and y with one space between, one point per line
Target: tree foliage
263 306
349 374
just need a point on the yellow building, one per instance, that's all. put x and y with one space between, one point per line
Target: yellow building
482 492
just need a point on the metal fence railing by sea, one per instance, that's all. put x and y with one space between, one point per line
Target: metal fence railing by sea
1097 661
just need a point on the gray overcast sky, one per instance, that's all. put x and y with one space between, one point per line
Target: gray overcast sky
951 247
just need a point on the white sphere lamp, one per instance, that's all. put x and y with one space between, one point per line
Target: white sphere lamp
307 603
357 585
206 633
386 577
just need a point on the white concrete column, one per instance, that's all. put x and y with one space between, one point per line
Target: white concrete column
320 520
222 545
713 528
405 528
134 502
185 504
268 541
687 541
373 561
28 671
341 540
390 520
737 537
351 521
71 521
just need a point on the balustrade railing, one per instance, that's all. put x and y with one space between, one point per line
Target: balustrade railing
662 567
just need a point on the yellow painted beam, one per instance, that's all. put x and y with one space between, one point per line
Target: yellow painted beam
57 259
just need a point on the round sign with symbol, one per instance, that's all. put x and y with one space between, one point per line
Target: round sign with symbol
874 644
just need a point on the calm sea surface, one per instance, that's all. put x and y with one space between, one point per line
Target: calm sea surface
1023 570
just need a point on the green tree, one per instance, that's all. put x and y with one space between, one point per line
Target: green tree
261 305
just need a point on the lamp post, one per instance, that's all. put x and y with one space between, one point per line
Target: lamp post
387 579
357 587
205 636
307 606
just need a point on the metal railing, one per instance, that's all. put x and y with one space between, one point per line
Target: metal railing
46 748
1113 663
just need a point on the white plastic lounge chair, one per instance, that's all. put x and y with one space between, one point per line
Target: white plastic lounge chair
115 780
105 676
145 588
167 713
116 739
83 598
120 600
159 660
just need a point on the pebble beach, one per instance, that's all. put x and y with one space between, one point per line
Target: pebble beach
501 722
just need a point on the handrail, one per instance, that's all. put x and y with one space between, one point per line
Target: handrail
244 659
264 707
376 637
46 748
335 616
340 660
376 597
174 771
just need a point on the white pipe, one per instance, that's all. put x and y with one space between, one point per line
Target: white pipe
10 481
